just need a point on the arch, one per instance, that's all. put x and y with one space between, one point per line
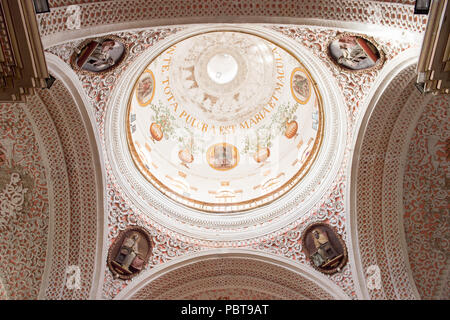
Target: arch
375 176
73 159
219 269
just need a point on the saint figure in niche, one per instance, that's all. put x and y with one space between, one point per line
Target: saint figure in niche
128 252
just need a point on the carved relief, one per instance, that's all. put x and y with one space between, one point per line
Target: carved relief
23 204
426 194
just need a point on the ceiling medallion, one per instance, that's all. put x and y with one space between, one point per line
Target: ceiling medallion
99 55
129 252
355 52
224 121
325 248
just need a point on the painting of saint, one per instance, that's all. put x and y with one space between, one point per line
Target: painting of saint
99 55
300 86
2 155
145 88
130 252
354 53
222 156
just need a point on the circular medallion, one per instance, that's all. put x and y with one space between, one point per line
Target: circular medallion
129 252
325 248
355 53
145 89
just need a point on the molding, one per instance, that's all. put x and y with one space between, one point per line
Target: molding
410 113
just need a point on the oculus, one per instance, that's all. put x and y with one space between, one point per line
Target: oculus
129 252
99 55
355 52
224 106
325 248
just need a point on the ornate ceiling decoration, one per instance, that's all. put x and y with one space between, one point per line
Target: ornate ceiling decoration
75 193
113 16
171 243
224 121
127 96
50 197
399 228
372 221
24 204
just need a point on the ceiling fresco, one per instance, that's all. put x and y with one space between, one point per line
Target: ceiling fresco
224 121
